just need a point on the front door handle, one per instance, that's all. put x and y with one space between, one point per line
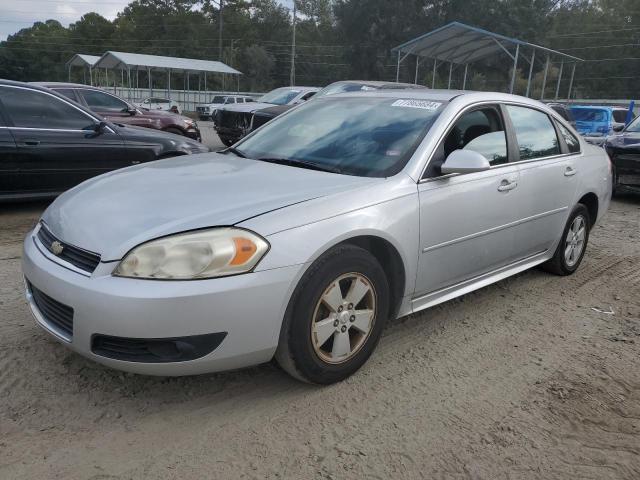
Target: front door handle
32 142
507 185
570 172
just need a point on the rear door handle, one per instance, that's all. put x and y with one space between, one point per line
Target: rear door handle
32 142
570 172
507 185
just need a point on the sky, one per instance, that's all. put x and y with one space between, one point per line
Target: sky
18 14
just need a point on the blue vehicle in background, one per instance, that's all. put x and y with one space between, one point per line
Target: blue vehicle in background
595 121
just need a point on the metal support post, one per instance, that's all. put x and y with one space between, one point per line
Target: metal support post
533 58
544 78
450 72
464 80
415 81
515 69
433 78
573 72
559 79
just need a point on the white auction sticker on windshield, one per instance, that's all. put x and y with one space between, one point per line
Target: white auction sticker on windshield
424 104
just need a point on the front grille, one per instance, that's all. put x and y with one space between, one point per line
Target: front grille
234 120
202 110
83 259
56 314
156 350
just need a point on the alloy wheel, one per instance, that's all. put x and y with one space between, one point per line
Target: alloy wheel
574 242
343 318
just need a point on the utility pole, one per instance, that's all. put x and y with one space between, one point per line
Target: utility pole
220 31
292 78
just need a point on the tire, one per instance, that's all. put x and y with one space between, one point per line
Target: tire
559 264
175 131
300 352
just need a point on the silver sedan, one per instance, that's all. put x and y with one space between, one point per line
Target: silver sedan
303 239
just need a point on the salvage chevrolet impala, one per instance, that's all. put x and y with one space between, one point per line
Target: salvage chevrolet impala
305 238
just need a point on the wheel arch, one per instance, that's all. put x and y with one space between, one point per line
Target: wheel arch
590 200
390 260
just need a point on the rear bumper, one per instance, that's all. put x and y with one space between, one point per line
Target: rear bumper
249 308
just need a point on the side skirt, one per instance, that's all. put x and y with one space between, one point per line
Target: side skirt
462 288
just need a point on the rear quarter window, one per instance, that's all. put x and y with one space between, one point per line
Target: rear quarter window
570 139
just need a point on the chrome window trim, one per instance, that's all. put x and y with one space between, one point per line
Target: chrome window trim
490 102
53 129
95 119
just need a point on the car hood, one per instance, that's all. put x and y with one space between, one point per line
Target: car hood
627 141
247 107
172 142
157 113
274 110
115 212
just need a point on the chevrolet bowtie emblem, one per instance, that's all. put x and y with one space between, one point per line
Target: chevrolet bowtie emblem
57 247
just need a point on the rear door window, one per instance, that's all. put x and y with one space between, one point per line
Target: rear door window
67 92
33 109
102 102
535 134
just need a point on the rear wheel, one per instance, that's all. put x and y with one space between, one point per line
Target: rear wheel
573 243
335 318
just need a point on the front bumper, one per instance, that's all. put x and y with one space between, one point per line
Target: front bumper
249 307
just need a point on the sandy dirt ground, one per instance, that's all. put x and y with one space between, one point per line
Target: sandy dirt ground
520 380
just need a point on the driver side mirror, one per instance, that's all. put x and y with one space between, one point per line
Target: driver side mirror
131 110
465 161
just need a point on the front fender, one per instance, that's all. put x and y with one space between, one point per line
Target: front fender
396 221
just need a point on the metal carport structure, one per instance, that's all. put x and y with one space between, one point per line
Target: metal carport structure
460 44
84 61
135 62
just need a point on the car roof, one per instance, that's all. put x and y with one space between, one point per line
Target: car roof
417 93
591 107
378 83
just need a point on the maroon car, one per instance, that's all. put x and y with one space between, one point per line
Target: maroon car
117 110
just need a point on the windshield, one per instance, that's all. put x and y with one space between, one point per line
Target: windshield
634 126
279 96
343 88
365 136
589 115
218 99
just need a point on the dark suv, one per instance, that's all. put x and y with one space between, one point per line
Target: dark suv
118 110
49 143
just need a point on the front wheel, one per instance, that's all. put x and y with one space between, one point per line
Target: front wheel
573 243
335 317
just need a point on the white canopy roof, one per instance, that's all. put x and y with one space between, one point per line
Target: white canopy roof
141 61
461 44
82 60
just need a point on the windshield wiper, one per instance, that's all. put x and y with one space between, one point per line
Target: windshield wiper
301 164
236 152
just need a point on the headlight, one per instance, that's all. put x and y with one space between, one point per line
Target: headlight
190 123
202 254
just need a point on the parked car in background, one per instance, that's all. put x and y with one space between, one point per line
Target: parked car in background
624 150
234 121
301 241
120 111
49 143
564 111
620 118
593 120
207 111
156 103
262 116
